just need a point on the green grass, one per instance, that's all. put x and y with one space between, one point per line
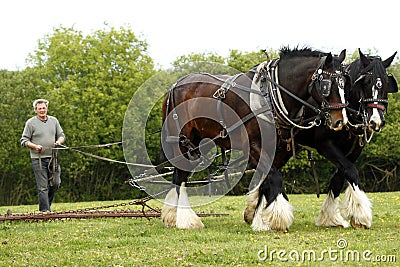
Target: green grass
225 241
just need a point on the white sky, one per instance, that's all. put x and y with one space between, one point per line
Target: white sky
176 27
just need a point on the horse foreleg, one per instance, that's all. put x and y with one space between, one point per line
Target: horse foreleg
273 211
357 207
329 215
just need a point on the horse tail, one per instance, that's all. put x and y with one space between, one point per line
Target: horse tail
167 107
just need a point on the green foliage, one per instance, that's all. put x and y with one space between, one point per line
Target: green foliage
18 89
245 61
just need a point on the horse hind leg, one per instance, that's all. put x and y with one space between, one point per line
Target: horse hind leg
252 200
186 218
176 211
252 197
357 207
169 209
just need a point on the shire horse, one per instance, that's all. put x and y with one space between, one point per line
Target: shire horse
367 101
300 73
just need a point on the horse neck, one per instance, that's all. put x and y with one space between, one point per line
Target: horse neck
296 80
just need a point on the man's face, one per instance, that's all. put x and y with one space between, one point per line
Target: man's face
41 110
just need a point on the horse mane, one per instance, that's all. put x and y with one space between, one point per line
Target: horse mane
287 52
375 67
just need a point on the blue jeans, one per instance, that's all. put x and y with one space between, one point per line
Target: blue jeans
43 173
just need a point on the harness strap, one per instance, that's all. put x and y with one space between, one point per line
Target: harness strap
220 96
247 118
313 108
273 88
312 161
53 162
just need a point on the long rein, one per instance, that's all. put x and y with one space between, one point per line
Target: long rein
231 128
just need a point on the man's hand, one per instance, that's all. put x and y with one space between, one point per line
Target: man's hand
38 148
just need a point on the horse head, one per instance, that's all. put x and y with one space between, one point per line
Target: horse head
328 86
369 91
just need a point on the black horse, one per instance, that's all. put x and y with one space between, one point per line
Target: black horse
202 106
367 103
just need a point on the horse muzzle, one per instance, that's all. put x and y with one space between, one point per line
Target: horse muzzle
336 116
376 125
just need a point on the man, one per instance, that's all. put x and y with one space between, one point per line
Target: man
41 133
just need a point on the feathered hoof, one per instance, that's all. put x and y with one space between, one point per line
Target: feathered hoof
357 225
248 215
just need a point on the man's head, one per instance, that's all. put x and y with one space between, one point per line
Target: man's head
40 108
40 101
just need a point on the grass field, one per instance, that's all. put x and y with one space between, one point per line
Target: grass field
225 241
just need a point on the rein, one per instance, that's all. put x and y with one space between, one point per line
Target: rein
62 147
265 74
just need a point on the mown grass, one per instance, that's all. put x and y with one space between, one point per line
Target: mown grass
226 241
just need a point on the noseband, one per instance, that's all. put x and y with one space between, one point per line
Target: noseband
372 102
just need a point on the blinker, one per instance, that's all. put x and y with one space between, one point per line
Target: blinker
326 87
340 82
379 83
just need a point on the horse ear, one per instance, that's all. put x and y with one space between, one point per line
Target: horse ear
329 58
342 55
392 88
364 60
348 83
388 61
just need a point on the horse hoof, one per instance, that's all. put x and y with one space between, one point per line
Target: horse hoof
357 226
248 216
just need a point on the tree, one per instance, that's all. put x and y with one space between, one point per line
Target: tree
18 89
89 81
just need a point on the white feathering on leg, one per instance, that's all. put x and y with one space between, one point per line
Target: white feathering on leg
252 199
258 222
168 211
357 206
329 215
279 214
186 218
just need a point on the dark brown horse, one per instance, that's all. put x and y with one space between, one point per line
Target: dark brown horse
235 112
367 102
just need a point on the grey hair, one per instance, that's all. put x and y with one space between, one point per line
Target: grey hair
38 101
